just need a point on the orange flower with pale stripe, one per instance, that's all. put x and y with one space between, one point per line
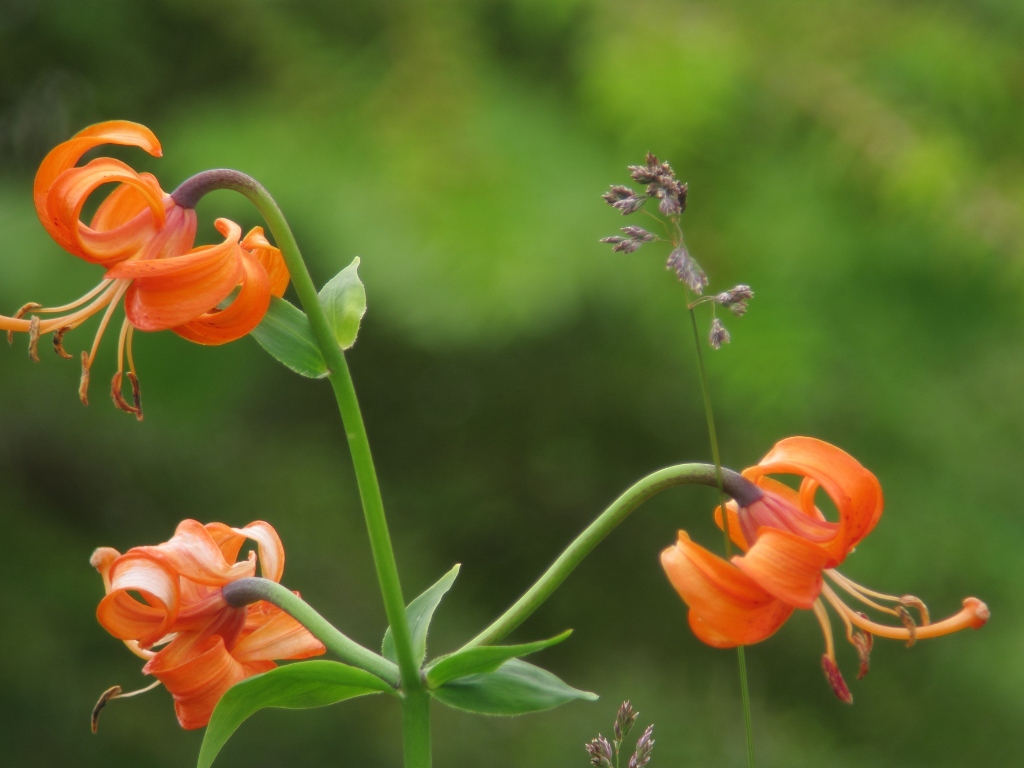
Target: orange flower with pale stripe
144 240
790 547
169 597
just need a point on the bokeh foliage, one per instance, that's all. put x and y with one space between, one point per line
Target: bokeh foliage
858 163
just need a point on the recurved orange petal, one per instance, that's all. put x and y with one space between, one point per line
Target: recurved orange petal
198 671
270 548
193 554
270 257
854 490
272 634
64 156
237 319
169 292
67 196
786 566
127 618
734 607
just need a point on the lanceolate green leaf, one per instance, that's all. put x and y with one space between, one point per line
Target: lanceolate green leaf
515 688
488 658
294 686
344 303
286 335
419 613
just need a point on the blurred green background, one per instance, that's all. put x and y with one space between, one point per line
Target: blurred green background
858 163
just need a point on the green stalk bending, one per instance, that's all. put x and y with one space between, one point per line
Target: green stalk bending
245 591
417 730
741 656
594 534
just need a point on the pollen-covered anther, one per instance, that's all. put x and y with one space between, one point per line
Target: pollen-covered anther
58 342
863 642
835 679
118 397
83 384
136 394
114 692
20 314
33 338
909 623
916 602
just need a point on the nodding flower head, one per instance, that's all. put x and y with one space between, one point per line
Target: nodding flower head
166 603
145 241
790 549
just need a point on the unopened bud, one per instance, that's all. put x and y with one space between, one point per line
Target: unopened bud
719 335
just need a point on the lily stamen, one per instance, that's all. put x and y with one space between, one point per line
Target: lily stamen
862 594
119 288
828 660
115 692
33 339
973 615
124 339
20 314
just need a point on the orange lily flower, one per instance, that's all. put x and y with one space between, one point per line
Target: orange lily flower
789 546
144 240
207 645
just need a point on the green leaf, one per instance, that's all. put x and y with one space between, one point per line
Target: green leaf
488 658
285 333
344 302
295 686
515 688
419 613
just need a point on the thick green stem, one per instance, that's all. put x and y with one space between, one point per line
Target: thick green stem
682 474
741 656
344 391
355 430
245 591
416 728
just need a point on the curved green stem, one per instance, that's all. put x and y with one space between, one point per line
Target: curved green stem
681 474
245 591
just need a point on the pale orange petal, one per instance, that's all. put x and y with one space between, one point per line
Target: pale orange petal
198 672
786 566
129 619
72 188
276 636
193 554
853 489
719 594
236 320
270 257
173 291
65 155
